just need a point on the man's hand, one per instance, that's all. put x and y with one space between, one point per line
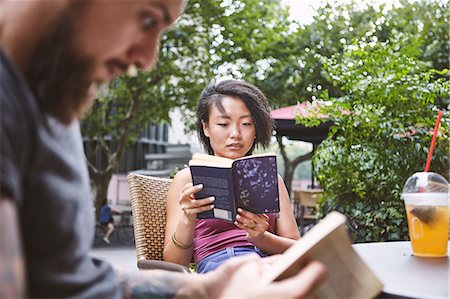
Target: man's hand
12 268
241 278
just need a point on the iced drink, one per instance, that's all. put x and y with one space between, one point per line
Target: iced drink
426 202
427 215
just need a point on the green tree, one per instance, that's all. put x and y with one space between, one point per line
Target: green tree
295 74
214 38
115 121
390 96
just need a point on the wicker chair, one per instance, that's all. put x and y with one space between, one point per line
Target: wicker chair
148 205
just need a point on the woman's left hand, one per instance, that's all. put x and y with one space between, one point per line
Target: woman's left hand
255 225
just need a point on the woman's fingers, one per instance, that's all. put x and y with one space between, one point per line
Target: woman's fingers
189 190
197 205
192 206
252 221
241 226
245 222
254 217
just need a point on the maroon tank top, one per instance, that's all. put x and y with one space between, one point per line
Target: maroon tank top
213 235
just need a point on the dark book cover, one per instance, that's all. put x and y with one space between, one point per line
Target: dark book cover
250 183
256 182
216 182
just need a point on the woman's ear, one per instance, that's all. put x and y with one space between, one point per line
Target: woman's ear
205 129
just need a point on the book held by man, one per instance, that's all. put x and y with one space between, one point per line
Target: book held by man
250 183
328 242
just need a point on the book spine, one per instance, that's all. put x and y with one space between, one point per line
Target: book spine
235 189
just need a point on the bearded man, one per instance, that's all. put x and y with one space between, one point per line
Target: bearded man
54 55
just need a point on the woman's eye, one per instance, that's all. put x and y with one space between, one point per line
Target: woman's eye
247 124
222 125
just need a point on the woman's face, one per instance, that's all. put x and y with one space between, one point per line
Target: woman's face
232 132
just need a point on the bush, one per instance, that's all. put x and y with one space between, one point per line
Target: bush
384 137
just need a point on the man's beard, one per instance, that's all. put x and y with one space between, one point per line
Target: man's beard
58 76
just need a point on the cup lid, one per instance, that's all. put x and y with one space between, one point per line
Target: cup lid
426 182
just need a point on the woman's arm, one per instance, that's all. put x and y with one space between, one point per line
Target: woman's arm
182 209
286 227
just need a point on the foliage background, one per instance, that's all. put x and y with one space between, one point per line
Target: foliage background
214 38
393 95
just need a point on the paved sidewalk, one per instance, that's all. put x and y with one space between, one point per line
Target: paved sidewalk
119 257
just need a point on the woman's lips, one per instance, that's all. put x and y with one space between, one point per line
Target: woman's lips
234 146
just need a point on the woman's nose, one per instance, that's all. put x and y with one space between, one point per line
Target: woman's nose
235 132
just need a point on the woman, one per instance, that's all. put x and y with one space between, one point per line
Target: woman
232 118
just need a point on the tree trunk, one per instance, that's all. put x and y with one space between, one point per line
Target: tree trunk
288 174
101 178
290 165
101 182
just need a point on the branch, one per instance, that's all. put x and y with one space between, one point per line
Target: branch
103 144
92 169
281 146
303 158
112 162
297 160
155 80
125 126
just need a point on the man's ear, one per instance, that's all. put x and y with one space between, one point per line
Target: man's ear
205 129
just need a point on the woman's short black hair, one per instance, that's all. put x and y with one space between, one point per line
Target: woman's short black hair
253 98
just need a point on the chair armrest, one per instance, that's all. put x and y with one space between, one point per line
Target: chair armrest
161 265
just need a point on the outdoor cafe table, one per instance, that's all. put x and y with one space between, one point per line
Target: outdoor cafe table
405 275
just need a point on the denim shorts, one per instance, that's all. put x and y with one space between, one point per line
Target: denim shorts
214 260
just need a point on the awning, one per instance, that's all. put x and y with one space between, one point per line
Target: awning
285 125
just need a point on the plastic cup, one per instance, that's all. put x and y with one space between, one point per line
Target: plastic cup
426 197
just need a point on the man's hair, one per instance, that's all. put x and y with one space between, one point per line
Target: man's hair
253 98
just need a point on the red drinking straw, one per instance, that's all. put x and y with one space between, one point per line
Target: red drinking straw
433 141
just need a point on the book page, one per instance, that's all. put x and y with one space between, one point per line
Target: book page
209 160
348 276
257 155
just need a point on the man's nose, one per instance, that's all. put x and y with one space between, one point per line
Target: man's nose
144 53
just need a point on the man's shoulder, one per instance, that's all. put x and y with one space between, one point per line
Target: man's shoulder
17 128
16 99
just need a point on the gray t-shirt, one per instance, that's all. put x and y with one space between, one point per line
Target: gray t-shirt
43 170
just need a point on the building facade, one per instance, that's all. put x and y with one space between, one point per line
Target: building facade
153 153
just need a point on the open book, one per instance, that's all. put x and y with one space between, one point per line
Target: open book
250 183
347 277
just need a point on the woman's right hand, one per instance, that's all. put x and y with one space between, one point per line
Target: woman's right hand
192 206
